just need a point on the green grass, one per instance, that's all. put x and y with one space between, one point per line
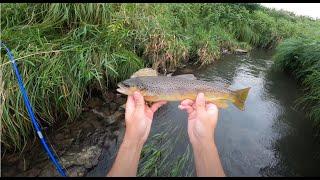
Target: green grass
301 58
65 50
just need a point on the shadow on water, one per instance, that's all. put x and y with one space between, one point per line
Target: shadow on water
268 138
296 149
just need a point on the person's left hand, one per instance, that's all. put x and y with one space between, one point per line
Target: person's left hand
138 117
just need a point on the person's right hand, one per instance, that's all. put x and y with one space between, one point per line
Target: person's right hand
202 120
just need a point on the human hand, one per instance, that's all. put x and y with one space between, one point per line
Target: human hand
202 120
138 118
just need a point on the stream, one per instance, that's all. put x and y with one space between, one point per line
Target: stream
269 138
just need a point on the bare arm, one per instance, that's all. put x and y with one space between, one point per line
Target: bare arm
126 163
202 121
207 160
138 117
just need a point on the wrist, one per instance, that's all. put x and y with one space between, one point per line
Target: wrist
129 142
203 145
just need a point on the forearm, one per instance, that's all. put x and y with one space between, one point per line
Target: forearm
126 163
207 160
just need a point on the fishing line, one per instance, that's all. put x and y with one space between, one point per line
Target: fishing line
31 114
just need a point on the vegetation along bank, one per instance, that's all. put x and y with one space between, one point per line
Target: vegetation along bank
68 52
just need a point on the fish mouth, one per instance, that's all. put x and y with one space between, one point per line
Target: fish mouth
123 89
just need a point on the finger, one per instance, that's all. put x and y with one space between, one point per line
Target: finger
200 103
189 109
212 109
157 105
129 105
139 102
187 102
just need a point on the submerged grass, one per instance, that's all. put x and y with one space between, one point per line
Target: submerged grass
65 50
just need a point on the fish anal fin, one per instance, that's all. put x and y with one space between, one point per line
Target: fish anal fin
219 103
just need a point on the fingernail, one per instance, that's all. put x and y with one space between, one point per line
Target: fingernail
211 106
136 95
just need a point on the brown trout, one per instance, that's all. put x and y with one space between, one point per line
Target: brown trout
177 88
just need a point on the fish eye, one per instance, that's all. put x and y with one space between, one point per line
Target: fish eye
125 84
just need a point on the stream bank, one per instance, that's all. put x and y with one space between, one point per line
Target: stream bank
78 144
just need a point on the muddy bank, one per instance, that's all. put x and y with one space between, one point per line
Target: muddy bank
78 145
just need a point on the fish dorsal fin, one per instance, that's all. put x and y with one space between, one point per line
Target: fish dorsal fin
186 76
145 72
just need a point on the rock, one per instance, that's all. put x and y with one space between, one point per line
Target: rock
94 102
240 51
117 132
110 96
98 113
105 110
89 134
225 51
87 157
76 171
122 108
117 116
96 124
186 71
106 144
120 99
113 106
59 136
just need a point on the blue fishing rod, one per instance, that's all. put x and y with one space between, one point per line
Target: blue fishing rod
31 114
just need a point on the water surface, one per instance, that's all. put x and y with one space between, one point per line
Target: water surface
269 138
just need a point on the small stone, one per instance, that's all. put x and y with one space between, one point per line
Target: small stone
113 106
76 171
105 110
122 108
59 136
240 51
117 116
106 144
117 132
120 99
96 124
110 96
94 102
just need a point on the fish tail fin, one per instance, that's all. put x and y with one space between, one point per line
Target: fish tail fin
240 98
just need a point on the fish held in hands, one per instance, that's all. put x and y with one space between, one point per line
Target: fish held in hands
177 88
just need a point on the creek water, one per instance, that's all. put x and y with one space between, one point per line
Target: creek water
269 138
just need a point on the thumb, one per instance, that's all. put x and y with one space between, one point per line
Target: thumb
212 110
139 101
200 103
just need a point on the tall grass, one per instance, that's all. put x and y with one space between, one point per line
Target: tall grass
301 58
65 50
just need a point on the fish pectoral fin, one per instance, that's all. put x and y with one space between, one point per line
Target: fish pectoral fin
219 103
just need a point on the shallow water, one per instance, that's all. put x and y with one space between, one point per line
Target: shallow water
268 138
